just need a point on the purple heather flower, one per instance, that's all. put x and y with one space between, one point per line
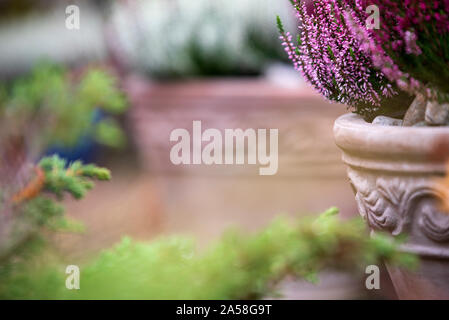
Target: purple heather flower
330 56
410 43
412 40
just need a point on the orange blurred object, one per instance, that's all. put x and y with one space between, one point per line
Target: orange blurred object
32 189
442 189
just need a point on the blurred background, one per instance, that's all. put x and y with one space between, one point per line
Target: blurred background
218 61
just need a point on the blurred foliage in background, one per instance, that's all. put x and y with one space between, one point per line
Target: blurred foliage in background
51 106
14 8
183 38
239 266
10 9
36 205
161 38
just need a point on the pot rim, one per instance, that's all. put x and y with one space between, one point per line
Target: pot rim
379 147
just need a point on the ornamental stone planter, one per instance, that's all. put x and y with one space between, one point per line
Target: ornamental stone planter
392 171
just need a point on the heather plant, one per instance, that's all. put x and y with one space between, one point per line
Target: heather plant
411 47
329 56
238 266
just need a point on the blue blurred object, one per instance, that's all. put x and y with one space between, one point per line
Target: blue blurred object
86 149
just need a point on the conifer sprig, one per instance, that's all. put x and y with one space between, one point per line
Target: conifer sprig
239 266
74 178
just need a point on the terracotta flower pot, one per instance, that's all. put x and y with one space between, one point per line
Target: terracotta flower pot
392 171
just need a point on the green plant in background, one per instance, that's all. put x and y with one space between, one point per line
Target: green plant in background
238 266
185 38
36 209
50 106
36 202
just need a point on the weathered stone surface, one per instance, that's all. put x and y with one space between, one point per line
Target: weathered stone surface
437 114
387 121
392 172
417 111
421 124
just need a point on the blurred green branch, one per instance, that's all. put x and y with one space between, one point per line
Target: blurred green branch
55 177
51 106
238 266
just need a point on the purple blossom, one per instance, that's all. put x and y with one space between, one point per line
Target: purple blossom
410 48
330 56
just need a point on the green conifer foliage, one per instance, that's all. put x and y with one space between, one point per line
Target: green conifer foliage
238 266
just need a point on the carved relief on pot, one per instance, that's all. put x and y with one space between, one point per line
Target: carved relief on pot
401 204
392 170
434 224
